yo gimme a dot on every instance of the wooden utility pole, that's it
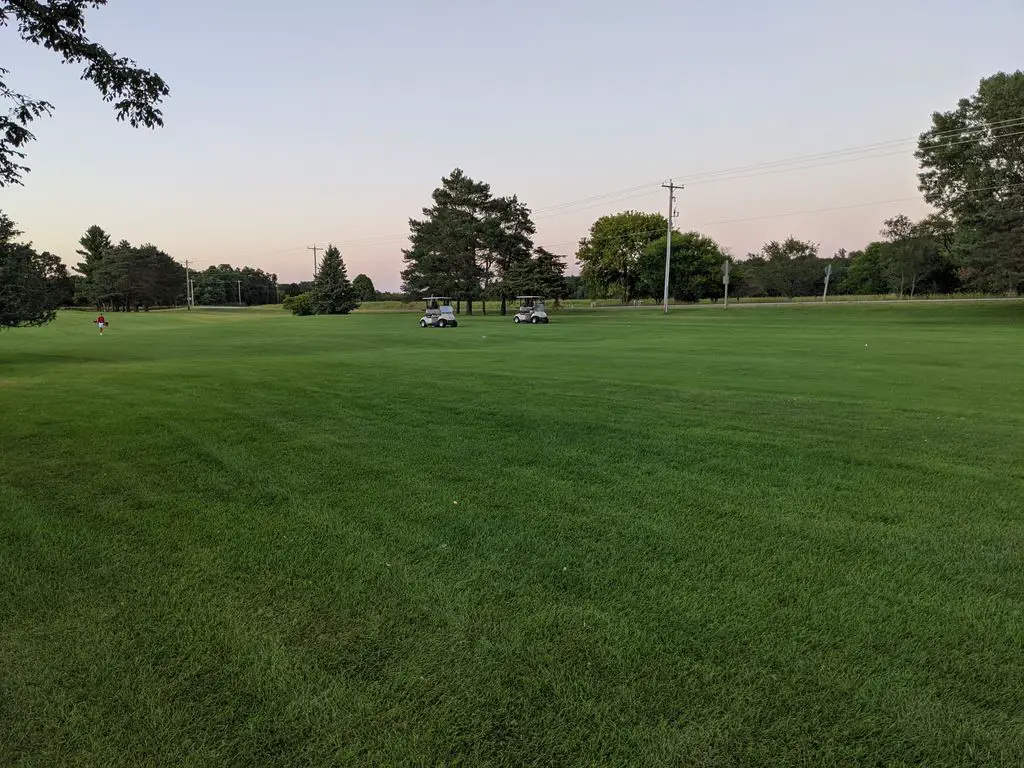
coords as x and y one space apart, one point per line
314 249
671 187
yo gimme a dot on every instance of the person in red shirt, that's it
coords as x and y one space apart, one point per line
101 322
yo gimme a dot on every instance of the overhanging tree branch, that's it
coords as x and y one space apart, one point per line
59 26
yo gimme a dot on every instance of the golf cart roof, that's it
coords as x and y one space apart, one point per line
529 297
437 298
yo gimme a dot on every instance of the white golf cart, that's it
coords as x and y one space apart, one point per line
531 310
439 313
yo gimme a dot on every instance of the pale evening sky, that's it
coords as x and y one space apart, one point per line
316 121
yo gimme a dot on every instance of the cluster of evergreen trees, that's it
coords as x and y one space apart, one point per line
472 246
124 277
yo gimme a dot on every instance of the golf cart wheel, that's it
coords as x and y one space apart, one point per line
442 323
516 319
534 320
455 323
423 323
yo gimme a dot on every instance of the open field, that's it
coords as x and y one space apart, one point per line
790 536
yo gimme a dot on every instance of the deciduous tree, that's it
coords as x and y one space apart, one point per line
363 287
27 296
972 171
59 26
794 268
694 268
610 253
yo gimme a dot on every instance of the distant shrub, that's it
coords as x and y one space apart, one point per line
298 305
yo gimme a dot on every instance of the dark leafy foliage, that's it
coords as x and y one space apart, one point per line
130 278
972 171
59 26
694 272
541 274
224 284
298 304
610 253
32 285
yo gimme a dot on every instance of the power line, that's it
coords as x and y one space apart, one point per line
648 192
805 212
602 196
860 149
737 173
846 207
1016 122
772 171
756 170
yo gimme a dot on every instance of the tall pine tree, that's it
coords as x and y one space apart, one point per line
543 274
509 236
332 293
447 246
95 243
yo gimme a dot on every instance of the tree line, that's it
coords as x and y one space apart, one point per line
473 246
361 284
623 257
123 277
114 277
227 285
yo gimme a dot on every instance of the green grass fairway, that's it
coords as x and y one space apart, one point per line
777 536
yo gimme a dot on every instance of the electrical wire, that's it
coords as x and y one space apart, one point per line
692 179
756 170
738 173
807 212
